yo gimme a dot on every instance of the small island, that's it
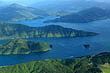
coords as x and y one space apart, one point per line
19 46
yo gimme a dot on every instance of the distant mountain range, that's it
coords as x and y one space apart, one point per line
62 7
16 12
84 16
10 31
69 5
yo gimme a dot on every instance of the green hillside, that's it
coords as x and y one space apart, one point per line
10 31
105 68
84 16
18 46
16 12
79 65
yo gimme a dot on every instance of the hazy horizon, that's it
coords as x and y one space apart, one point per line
37 1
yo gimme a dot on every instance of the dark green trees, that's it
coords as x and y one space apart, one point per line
18 46
78 65
9 31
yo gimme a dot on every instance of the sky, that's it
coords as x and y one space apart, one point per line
103 0
45 0
33 1
20 1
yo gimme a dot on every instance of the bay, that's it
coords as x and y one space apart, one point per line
64 48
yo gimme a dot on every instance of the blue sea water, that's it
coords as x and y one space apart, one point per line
64 48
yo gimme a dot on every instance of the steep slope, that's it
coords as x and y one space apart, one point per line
16 12
78 65
18 46
9 31
84 16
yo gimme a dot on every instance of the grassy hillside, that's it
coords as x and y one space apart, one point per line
105 68
78 65
9 31
18 46
84 16
16 12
